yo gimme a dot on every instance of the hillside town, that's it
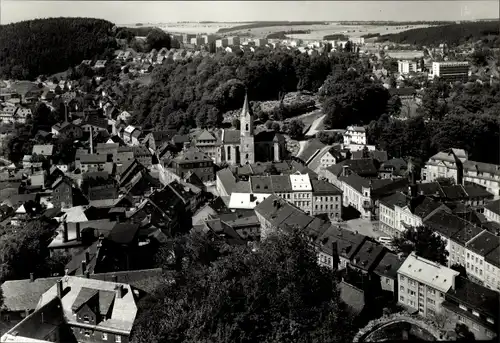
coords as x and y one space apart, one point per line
98 208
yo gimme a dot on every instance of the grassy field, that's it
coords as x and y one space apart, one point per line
317 31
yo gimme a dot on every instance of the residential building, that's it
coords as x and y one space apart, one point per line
475 306
221 43
368 256
451 71
63 190
278 215
492 211
80 309
492 269
233 40
476 251
423 284
91 162
366 168
207 143
456 232
302 192
445 165
336 247
67 129
387 270
193 160
131 135
355 135
406 67
156 139
326 199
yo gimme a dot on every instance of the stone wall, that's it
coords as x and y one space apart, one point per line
385 320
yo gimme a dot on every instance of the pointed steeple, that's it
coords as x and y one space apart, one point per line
247 109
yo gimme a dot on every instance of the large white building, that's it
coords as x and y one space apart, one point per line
423 284
355 135
406 67
444 165
450 71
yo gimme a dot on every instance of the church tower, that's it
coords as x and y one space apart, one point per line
247 146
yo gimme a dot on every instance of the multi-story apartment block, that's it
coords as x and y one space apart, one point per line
406 67
221 43
476 251
423 284
451 71
233 40
492 211
475 306
456 165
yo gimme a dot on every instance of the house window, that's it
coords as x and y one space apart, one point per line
6 318
87 333
104 336
402 298
118 339
462 307
402 288
86 318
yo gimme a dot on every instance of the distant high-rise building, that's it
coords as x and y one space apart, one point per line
451 71
406 67
234 40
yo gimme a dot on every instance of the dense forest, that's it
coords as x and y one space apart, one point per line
283 34
454 34
336 36
197 92
48 46
221 293
260 24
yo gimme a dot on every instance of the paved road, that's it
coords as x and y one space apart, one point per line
314 126
365 227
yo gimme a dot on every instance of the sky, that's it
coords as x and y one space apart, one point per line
131 12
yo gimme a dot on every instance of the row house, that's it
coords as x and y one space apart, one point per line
312 196
492 211
363 194
130 135
14 114
190 159
455 164
475 306
277 215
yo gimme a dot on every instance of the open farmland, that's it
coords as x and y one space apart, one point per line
317 32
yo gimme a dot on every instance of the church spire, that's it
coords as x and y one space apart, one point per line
247 109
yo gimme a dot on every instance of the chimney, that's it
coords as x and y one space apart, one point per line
91 142
87 257
119 291
78 232
345 170
87 274
65 231
84 267
60 289
32 277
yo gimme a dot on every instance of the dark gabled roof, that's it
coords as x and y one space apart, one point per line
423 206
83 297
347 242
378 155
322 187
21 295
494 206
123 233
395 199
405 91
493 257
261 184
388 265
484 243
312 148
475 296
268 136
368 255
146 280
192 155
362 167
352 297
451 226
231 137
93 158
281 183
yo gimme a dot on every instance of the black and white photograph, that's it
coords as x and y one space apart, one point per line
249 171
